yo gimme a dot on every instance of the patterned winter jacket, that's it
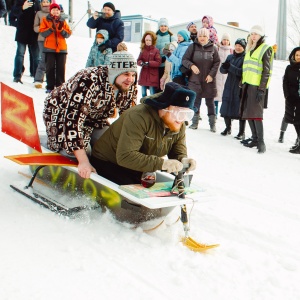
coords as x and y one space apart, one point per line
83 103
138 140
55 38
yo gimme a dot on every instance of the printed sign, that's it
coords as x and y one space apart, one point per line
18 117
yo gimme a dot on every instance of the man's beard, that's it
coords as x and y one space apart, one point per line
175 127
120 88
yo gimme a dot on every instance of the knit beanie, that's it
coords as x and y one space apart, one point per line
225 36
110 5
185 34
189 25
241 42
203 32
121 62
173 94
54 5
163 21
257 29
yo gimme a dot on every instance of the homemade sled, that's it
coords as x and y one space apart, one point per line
55 183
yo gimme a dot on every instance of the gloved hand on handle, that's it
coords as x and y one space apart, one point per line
191 162
172 165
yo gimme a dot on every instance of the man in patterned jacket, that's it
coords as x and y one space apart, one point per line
76 113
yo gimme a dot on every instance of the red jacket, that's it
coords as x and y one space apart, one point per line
149 74
55 35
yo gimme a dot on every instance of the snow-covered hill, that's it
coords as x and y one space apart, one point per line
252 211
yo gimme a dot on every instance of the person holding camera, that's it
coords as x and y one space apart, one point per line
149 59
110 20
25 36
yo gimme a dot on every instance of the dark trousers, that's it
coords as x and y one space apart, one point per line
55 69
19 59
116 173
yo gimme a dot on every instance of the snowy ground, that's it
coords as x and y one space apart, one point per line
253 212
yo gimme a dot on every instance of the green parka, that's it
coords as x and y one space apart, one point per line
138 140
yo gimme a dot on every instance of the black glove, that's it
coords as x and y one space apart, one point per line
226 65
167 52
60 25
260 95
101 47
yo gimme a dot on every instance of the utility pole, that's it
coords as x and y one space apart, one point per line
71 11
281 35
89 11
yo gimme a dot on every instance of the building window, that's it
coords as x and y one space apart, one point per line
137 27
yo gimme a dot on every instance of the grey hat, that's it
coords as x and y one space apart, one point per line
121 62
175 95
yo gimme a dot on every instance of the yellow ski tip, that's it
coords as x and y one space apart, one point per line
195 246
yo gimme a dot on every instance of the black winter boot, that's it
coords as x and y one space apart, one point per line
227 130
281 136
253 143
296 144
212 123
283 128
241 134
260 137
195 121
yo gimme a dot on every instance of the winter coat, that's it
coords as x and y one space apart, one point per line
96 57
83 103
167 73
149 74
207 59
115 27
25 33
231 95
162 40
138 140
250 107
38 20
3 9
176 58
224 51
291 90
55 39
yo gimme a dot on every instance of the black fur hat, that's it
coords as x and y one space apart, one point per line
175 95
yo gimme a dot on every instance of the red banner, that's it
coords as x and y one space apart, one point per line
18 117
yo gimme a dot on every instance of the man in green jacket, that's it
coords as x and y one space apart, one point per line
138 141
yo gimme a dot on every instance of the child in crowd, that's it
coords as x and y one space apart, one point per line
55 30
150 60
168 66
208 23
96 57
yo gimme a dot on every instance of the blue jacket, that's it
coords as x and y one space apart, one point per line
113 25
96 57
162 40
176 58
